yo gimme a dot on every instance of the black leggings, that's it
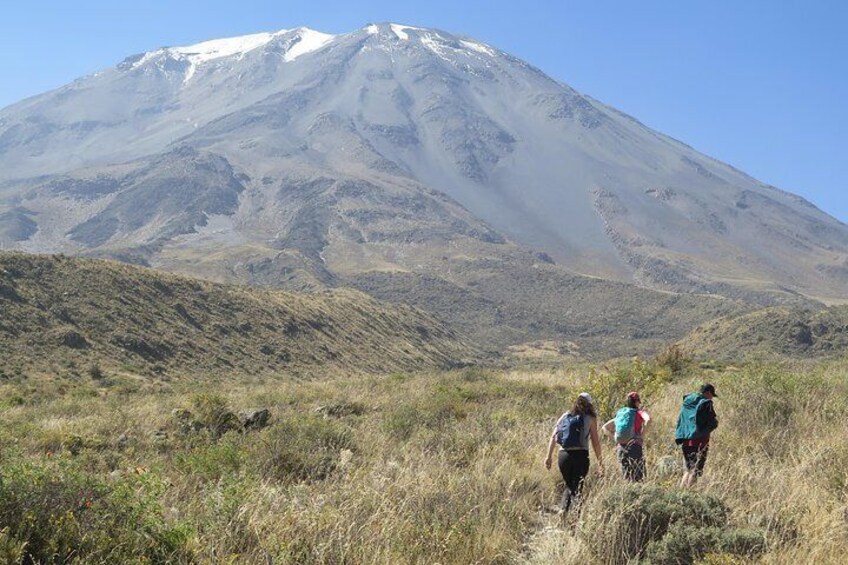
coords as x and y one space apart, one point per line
574 466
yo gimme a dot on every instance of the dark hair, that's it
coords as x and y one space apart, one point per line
631 401
583 407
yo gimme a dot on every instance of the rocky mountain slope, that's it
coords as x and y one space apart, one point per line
773 332
59 314
414 164
544 165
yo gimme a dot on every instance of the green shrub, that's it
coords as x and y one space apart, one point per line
743 541
631 517
686 544
609 387
683 544
672 358
11 549
213 413
62 515
215 459
665 527
95 372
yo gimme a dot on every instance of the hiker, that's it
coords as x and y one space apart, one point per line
573 432
696 422
627 428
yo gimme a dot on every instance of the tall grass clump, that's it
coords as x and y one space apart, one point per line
302 448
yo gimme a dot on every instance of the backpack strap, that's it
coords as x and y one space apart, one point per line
705 418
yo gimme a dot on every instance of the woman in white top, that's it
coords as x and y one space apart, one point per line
573 432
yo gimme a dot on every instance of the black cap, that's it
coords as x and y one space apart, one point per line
708 388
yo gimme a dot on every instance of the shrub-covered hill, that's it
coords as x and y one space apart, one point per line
777 331
61 314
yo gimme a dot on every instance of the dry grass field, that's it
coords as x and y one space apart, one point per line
415 468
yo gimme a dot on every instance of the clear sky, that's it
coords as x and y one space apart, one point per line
760 84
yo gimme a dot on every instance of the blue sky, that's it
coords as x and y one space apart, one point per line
762 85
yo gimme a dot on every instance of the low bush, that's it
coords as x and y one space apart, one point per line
742 541
685 544
96 372
665 526
673 358
59 514
213 413
215 459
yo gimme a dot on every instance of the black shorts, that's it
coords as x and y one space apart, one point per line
632 461
695 457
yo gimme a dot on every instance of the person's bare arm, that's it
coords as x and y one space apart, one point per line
551 445
609 428
646 420
596 445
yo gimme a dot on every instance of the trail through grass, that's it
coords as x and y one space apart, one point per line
410 468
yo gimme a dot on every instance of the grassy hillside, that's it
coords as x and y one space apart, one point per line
499 303
434 467
73 316
773 332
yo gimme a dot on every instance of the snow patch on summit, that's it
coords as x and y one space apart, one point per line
400 31
479 47
448 49
218 48
310 40
435 47
304 40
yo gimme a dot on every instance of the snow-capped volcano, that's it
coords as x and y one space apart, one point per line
392 148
